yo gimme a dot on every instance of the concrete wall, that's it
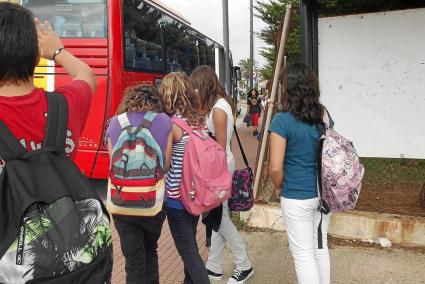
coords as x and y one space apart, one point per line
403 230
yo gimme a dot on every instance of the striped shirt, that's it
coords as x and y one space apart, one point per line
174 175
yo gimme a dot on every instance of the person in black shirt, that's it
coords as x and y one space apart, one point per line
254 104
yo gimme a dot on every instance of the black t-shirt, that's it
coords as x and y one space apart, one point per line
254 104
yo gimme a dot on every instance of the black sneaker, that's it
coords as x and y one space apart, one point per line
214 276
241 276
255 133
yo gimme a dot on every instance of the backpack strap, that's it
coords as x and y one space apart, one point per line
10 148
241 147
57 122
147 121
182 124
326 118
124 121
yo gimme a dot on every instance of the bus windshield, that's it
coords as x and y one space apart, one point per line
71 18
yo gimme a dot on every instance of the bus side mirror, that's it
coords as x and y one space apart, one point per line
237 71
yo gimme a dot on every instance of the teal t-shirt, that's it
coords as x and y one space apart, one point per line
300 177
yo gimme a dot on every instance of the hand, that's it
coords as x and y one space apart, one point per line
48 41
277 192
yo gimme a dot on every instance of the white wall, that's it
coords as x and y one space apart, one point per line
372 76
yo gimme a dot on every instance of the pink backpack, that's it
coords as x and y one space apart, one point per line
340 171
206 181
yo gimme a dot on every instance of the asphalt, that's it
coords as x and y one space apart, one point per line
271 259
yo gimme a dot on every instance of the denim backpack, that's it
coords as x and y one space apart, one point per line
54 227
136 184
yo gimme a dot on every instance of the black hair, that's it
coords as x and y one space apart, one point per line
256 92
18 43
301 94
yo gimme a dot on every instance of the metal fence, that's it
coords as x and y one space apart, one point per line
399 181
380 174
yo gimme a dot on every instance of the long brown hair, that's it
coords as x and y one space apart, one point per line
205 81
302 94
178 97
139 98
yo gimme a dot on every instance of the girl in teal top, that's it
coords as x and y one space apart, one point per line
294 136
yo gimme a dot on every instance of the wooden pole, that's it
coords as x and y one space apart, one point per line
283 38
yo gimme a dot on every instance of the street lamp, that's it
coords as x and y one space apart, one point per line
251 40
226 45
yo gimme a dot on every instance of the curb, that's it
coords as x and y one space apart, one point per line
399 229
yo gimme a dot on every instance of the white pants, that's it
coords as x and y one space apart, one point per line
302 218
227 233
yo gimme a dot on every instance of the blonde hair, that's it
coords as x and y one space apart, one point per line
178 97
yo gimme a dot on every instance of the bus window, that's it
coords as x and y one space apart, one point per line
210 51
72 18
182 47
143 37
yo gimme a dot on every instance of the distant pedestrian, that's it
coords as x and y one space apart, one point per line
254 108
218 107
180 101
141 107
294 137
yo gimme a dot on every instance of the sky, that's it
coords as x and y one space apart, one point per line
206 17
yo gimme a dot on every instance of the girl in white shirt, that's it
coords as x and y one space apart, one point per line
217 106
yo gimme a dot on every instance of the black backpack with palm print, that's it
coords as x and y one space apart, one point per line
53 227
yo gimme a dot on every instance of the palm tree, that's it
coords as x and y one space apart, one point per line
245 65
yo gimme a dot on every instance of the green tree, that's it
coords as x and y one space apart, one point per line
272 13
245 65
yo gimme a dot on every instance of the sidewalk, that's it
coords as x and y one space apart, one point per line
170 264
271 259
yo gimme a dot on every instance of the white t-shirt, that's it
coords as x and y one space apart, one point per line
224 105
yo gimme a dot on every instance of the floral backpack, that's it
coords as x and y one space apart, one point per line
242 198
340 172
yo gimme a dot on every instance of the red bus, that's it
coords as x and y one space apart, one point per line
125 42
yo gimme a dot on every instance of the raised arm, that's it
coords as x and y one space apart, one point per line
49 43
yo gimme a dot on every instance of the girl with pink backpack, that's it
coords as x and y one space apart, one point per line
295 134
181 104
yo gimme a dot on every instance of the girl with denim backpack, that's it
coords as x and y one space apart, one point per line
141 107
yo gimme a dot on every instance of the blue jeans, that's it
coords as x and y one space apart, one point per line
139 243
183 229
